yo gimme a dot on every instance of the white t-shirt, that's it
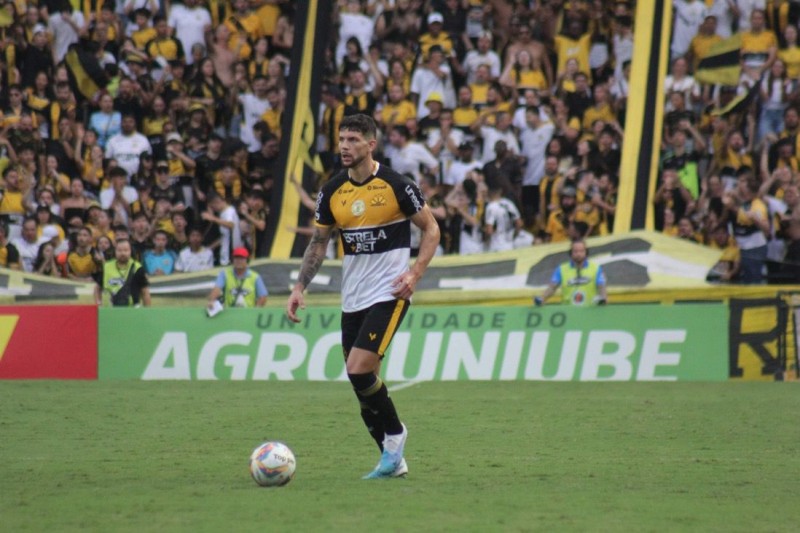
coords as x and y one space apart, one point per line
189 26
27 252
126 149
424 82
445 156
534 144
474 59
252 109
189 261
353 25
501 214
63 33
230 238
490 136
408 159
129 194
688 17
458 171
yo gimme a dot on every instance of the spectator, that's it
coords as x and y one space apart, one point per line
433 76
748 215
9 255
502 221
408 157
159 260
83 261
224 216
195 257
45 263
689 15
238 286
482 55
27 244
127 145
534 139
461 167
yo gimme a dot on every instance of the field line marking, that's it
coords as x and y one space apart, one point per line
404 385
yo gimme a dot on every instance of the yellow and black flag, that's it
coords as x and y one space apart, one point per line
644 118
299 126
86 75
721 66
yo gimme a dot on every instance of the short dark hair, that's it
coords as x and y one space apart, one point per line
118 172
361 123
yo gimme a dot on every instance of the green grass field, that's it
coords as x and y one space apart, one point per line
512 456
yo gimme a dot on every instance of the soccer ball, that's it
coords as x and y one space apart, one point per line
272 464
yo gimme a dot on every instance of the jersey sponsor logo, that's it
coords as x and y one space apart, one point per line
345 191
358 208
319 203
413 197
363 241
376 187
378 201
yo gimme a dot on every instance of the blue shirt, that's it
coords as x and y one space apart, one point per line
261 289
165 261
105 125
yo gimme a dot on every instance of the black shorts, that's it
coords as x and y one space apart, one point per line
373 328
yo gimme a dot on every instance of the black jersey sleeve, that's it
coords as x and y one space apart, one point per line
323 215
409 197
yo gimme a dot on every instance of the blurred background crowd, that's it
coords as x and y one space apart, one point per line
160 121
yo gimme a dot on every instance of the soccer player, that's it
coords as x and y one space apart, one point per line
373 207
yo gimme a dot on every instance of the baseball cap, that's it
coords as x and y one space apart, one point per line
176 137
241 252
435 96
569 191
435 17
162 164
48 234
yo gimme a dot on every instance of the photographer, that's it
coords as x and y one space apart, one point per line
123 279
582 281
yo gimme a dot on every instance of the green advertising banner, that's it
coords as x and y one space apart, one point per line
554 343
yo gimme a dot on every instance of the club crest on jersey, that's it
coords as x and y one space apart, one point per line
378 201
358 208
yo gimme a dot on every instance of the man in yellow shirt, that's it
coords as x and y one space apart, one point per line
398 110
702 42
601 110
574 44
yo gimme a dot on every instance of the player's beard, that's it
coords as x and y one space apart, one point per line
354 161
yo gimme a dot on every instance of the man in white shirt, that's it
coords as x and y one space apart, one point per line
461 167
689 14
501 131
195 257
534 139
501 220
433 76
119 195
408 156
127 145
254 105
225 216
482 55
65 25
27 244
191 21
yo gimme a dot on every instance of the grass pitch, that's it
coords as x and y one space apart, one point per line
511 456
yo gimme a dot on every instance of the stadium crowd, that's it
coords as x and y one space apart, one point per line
508 113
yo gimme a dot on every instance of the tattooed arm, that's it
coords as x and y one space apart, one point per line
312 260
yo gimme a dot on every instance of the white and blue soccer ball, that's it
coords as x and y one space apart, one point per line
272 464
